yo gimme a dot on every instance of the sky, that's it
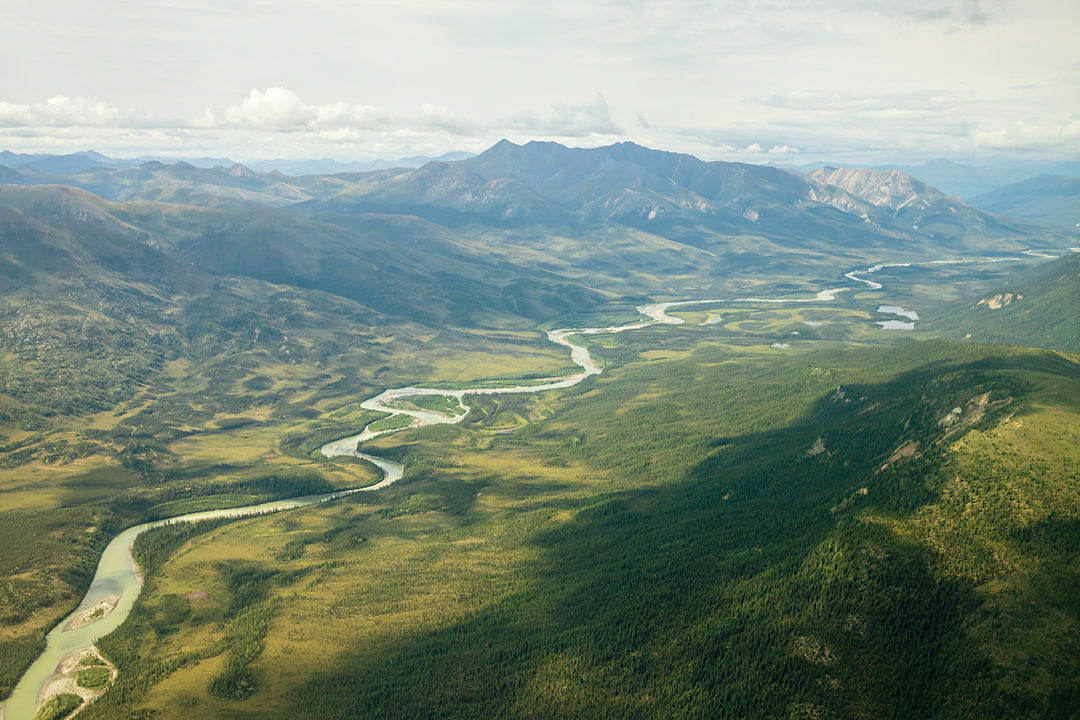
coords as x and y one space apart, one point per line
785 81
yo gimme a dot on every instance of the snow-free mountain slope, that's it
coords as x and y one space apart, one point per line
1047 198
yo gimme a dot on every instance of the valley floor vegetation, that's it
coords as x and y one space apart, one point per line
712 528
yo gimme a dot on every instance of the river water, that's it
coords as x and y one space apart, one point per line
117 575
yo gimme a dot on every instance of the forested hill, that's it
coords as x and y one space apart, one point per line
1040 308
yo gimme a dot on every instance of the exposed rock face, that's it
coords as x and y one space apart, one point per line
996 302
890 189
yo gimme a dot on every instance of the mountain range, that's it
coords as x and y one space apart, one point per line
80 162
516 235
638 208
1047 198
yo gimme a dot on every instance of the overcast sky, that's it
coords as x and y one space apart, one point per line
788 81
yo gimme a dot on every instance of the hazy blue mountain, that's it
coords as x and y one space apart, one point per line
154 180
402 266
1049 198
199 162
964 180
68 164
187 183
960 179
326 166
14 159
57 164
953 178
11 177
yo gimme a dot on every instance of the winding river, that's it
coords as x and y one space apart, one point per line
118 577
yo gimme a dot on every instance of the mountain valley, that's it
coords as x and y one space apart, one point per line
765 505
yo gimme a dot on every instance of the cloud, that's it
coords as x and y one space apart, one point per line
61 111
954 14
280 109
569 121
1029 136
275 108
850 103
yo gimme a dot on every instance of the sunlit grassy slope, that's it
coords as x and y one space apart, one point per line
828 531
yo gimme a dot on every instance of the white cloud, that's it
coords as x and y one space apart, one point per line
272 119
281 109
569 120
275 108
60 111
1030 136
953 14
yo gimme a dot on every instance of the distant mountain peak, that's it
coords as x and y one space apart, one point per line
239 170
893 189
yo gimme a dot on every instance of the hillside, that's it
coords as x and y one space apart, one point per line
1037 309
1047 198
906 201
397 265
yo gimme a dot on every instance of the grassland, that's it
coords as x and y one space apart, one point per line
447 405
